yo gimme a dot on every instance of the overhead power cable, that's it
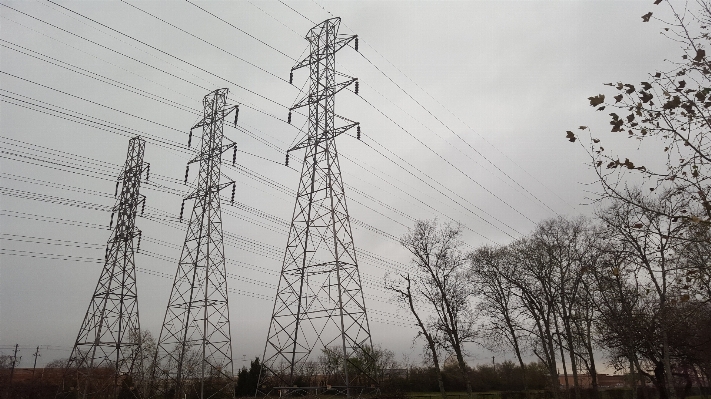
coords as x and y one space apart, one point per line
130 71
205 41
246 33
98 77
125 35
170 55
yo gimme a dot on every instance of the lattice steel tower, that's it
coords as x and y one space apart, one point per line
108 346
194 356
319 308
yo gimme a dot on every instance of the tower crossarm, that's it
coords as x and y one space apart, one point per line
324 136
218 116
203 157
322 95
318 57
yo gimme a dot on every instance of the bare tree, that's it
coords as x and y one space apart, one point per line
651 242
442 281
403 291
499 301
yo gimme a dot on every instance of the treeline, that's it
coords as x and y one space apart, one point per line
506 376
631 283
629 287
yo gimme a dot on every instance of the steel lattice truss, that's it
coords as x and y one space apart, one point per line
195 344
319 308
108 345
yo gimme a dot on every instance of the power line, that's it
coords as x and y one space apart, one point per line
99 77
129 57
205 41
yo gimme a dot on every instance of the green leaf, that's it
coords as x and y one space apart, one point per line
645 17
618 98
570 136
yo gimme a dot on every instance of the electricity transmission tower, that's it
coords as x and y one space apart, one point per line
108 346
319 310
194 343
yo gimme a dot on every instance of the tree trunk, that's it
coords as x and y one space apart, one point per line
517 349
667 365
463 368
552 363
588 346
430 340
571 354
562 358
435 360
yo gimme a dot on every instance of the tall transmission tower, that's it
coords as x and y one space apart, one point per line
109 340
194 355
319 308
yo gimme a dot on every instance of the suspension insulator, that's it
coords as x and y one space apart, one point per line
358 132
187 169
234 155
291 77
106 255
182 208
116 190
356 88
232 200
148 171
236 115
287 159
356 43
111 224
143 207
289 118
138 247
190 137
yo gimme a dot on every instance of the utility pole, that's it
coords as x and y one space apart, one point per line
14 362
34 366
195 341
319 305
109 339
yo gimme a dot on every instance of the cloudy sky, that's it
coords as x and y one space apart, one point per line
463 107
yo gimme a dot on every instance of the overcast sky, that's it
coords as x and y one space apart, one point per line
463 108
